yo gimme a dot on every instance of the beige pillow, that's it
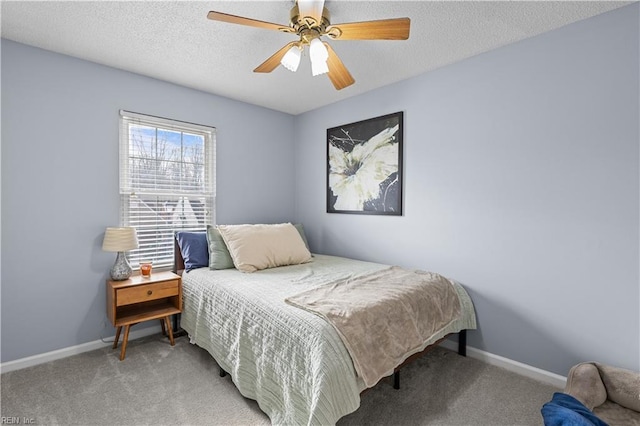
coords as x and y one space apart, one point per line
256 247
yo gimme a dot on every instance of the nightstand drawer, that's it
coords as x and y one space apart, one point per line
143 293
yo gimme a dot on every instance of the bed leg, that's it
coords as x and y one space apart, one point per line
177 331
222 372
176 322
462 343
396 379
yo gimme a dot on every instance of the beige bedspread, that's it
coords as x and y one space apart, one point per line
385 316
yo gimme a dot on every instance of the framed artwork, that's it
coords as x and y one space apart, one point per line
364 166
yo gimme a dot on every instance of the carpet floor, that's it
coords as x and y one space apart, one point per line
158 384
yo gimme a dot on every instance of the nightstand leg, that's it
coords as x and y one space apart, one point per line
166 319
115 342
162 324
124 342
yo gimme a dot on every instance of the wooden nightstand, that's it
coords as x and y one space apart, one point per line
141 299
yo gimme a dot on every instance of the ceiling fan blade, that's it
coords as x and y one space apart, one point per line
338 73
384 29
233 19
311 8
273 62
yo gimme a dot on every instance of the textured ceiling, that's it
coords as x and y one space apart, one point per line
174 41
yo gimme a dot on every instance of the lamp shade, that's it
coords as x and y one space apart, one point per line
318 54
318 51
120 239
291 59
319 67
311 8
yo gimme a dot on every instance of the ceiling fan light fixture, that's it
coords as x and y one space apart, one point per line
318 51
311 9
319 67
291 59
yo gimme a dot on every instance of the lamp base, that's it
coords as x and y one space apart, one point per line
121 270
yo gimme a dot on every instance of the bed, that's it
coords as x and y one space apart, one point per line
292 361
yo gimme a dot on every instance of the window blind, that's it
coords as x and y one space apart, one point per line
167 182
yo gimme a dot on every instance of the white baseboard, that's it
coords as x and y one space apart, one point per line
511 365
506 363
30 361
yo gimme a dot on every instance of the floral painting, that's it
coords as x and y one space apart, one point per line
364 166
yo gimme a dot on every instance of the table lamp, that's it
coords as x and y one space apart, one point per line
120 240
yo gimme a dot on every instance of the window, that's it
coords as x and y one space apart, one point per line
167 182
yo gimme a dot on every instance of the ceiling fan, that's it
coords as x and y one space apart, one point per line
310 20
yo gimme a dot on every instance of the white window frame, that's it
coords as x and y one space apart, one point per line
156 239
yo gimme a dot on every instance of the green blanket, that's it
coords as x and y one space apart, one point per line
292 362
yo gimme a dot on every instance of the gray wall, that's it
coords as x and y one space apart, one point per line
60 184
521 182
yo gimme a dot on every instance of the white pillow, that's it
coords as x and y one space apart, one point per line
256 247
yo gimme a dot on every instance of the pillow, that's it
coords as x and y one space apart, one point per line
219 257
194 249
621 385
256 247
301 232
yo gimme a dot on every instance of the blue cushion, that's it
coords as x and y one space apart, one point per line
194 249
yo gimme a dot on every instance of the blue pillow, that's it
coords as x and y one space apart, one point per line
194 249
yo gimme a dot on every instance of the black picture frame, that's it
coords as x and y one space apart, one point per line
364 166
